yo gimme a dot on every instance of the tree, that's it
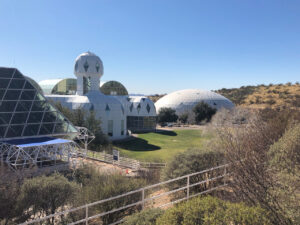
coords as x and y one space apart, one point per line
94 125
167 115
203 112
45 195
183 118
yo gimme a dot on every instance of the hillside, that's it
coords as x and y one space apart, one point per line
154 98
262 96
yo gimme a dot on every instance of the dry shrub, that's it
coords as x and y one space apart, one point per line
246 149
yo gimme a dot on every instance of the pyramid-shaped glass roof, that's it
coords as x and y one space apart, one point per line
25 112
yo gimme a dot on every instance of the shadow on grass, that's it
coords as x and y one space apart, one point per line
137 144
166 132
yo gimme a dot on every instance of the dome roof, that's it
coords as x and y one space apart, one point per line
89 65
185 100
113 88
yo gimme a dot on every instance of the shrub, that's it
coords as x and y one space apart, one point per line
213 211
246 149
285 163
97 186
203 112
237 115
166 115
190 161
145 217
45 195
183 118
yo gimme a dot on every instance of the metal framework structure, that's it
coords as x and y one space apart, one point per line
51 154
84 136
185 187
29 123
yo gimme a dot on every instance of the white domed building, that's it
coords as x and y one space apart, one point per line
109 100
184 101
88 70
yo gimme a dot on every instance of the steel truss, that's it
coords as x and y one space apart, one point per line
37 156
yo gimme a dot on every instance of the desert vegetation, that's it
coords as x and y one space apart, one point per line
262 96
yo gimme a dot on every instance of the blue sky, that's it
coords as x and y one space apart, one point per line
156 46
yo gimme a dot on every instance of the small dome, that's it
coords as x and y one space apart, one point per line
185 100
88 65
113 88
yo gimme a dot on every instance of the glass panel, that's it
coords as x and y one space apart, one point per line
14 131
19 118
24 106
12 95
2 131
28 95
7 106
16 84
49 117
1 93
17 74
46 129
31 130
61 128
38 106
28 85
39 97
5 118
6 72
4 82
72 129
35 117
110 127
49 107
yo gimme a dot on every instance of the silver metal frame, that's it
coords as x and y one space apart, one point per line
25 157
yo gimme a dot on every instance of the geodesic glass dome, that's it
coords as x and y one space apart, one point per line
113 88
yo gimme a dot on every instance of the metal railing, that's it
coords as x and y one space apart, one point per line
173 191
108 158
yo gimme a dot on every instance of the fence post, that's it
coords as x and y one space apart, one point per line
143 198
225 172
188 187
86 214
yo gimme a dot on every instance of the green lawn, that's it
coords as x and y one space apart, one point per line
161 146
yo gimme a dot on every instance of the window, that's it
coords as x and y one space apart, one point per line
110 127
122 127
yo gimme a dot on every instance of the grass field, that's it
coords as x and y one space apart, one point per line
163 145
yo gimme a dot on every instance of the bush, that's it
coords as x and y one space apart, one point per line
190 161
203 112
45 195
145 217
213 211
285 163
246 149
166 115
235 116
97 186
183 118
